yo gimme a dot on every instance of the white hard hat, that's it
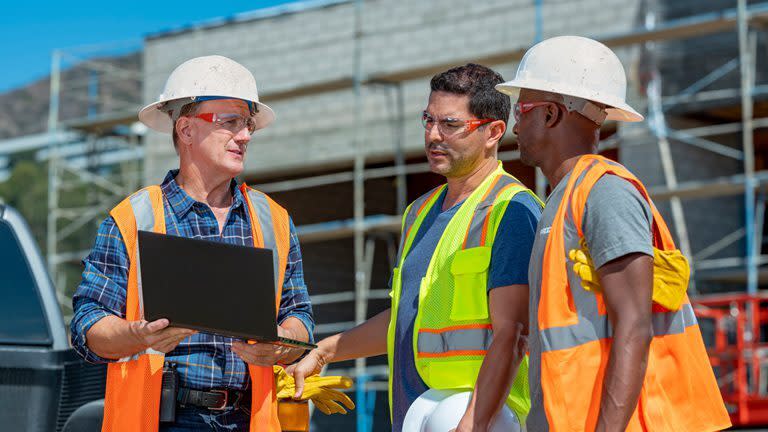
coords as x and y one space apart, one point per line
441 411
575 66
205 78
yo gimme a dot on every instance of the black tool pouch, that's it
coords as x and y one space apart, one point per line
169 392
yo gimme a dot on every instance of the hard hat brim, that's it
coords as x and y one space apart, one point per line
159 120
617 110
438 410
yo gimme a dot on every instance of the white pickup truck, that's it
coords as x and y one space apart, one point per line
44 384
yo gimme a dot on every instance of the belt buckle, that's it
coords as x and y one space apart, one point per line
224 404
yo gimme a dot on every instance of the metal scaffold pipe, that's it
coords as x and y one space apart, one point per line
361 285
658 125
358 179
402 192
746 69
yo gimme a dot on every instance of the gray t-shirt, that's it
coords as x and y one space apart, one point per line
617 221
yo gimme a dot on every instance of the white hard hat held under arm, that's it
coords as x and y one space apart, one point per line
205 78
575 66
441 410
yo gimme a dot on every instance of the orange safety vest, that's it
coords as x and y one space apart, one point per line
132 401
679 390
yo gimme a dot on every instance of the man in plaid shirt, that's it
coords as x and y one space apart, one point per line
201 200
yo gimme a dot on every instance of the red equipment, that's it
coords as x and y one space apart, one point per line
735 331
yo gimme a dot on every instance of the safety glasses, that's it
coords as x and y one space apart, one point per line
521 108
229 121
449 125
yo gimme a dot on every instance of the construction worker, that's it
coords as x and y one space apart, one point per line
211 107
460 288
611 353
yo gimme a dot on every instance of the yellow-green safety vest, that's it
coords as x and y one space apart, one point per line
452 331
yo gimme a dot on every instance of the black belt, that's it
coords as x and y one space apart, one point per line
214 400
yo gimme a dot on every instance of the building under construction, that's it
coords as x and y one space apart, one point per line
348 81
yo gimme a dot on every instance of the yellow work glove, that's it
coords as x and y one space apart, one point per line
320 389
584 268
671 273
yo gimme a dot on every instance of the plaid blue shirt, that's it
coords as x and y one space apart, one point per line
205 361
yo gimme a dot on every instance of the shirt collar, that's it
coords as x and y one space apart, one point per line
182 203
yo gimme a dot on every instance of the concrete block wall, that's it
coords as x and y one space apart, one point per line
316 131
292 50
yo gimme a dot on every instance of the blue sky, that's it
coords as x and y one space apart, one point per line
29 32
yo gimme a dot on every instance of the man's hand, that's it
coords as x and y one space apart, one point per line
323 391
263 354
310 365
465 425
366 340
157 335
114 338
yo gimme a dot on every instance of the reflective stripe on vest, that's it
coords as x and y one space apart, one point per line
476 233
450 335
478 228
145 221
412 213
471 339
132 398
272 231
594 328
679 391
456 340
264 214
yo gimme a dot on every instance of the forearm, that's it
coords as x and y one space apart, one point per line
366 340
295 329
624 374
496 375
111 338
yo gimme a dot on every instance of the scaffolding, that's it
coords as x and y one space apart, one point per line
746 19
366 230
101 162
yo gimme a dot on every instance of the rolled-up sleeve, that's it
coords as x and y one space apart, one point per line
617 221
102 289
294 301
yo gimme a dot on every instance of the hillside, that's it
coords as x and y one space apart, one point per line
24 110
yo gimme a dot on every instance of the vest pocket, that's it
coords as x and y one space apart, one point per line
446 375
470 279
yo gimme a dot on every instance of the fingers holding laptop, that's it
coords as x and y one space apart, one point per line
260 354
265 353
158 335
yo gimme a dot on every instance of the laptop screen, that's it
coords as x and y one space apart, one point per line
208 286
